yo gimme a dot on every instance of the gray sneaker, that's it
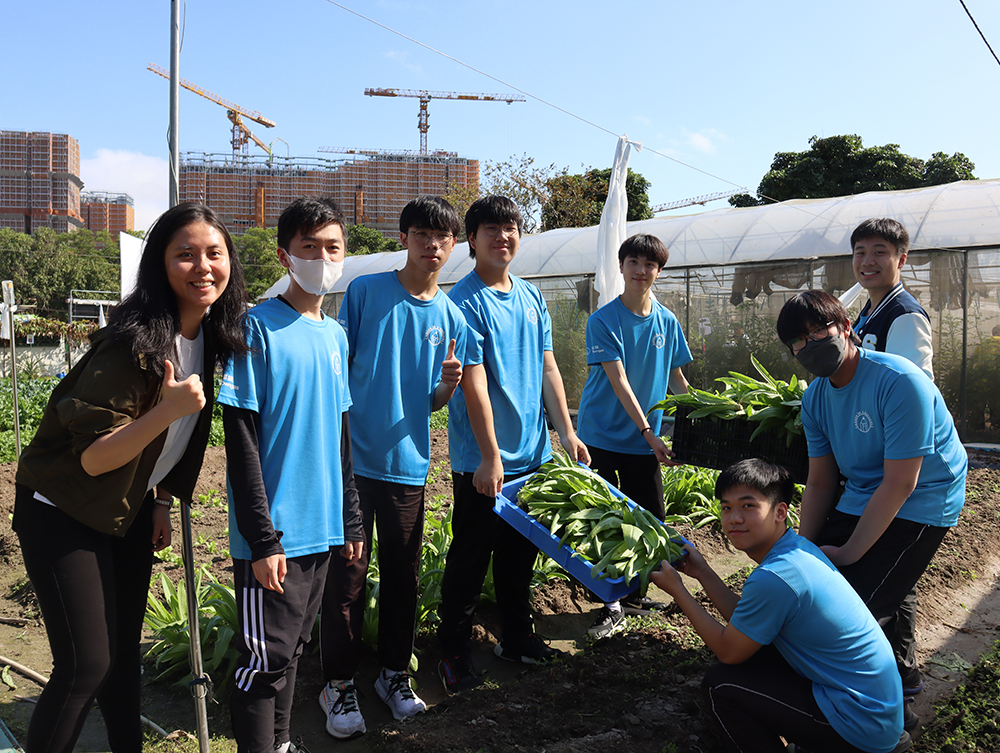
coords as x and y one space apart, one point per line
398 695
607 624
343 715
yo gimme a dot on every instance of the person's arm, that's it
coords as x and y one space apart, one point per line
819 496
354 533
898 482
114 449
615 373
726 642
250 503
677 383
554 400
488 478
451 375
909 336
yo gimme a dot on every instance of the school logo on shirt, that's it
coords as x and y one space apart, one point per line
659 340
336 364
533 315
863 422
594 350
434 335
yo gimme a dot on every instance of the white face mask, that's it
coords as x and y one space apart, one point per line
316 276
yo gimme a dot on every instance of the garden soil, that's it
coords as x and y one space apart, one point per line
637 691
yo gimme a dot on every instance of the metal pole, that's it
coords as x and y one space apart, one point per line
201 684
175 55
8 298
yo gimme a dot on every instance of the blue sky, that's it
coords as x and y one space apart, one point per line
717 88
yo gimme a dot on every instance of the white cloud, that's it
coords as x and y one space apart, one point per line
403 59
705 141
142 177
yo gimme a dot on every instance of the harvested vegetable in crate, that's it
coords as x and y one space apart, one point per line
772 403
619 539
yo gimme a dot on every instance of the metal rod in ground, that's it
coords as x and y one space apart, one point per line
201 684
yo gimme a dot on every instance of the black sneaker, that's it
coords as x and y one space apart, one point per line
635 604
607 624
457 674
910 719
528 650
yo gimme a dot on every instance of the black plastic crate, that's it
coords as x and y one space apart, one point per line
711 442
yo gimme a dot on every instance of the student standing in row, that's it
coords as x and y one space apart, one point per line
635 350
291 488
403 334
496 428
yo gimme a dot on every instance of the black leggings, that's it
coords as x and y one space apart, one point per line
92 589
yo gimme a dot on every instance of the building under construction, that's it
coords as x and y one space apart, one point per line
371 187
39 181
107 211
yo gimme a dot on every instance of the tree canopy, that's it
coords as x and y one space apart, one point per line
842 166
549 197
366 240
258 250
46 266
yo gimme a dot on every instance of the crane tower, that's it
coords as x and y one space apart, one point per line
426 96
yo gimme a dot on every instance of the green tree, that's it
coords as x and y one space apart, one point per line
577 200
366 240
842 166
258 250
517 178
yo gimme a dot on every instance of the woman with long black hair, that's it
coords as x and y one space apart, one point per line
123 434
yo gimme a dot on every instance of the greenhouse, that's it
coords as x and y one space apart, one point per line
731 270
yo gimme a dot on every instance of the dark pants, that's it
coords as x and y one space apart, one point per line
398 512
273 630
886 577
478 532
762 699
638 477
91 588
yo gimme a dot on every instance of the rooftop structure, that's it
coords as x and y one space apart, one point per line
39 181
107 211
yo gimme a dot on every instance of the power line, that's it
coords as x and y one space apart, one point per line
985 41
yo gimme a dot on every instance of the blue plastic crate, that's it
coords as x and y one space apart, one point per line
607 589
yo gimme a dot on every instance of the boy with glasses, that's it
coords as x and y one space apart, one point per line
403 335
497 429
877 419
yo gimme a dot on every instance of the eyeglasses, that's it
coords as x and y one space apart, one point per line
493 231
423 236
816 335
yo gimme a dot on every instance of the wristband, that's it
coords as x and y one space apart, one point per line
643 432
164 502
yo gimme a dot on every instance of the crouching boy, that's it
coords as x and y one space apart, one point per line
802 657
291 488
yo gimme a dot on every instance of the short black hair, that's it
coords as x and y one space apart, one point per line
813 308
307 214
430 213
885 228
770 479
644 246
491 209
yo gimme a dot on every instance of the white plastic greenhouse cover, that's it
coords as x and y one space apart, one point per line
958 215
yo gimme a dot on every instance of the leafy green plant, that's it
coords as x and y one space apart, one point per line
218 625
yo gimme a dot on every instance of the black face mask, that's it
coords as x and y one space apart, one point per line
823 357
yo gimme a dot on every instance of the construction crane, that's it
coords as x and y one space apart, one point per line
241 133
696 200
426 96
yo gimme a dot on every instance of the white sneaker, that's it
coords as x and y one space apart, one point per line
395 690
343 716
